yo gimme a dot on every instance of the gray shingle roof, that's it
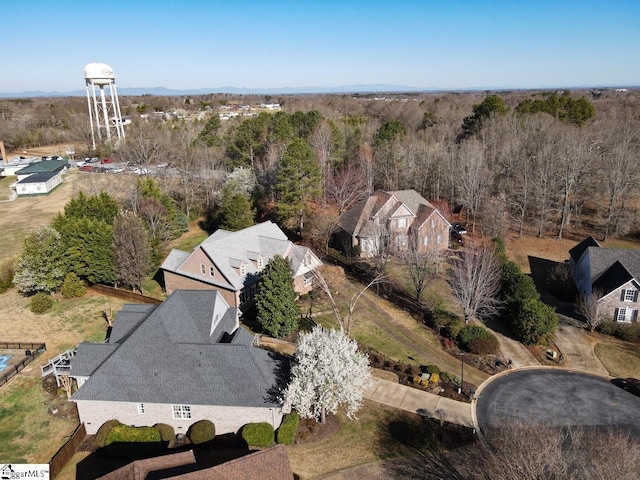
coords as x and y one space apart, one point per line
172 358
576 252
601 259
231 250
357 220
43 166
89 356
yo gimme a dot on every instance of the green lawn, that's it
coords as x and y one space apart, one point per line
4 186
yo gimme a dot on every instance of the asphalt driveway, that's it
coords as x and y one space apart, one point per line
558 398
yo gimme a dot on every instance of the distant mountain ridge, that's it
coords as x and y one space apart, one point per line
162 91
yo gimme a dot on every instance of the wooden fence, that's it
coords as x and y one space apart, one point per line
13 370
127 295
64 454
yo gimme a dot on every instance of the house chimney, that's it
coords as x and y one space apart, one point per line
5 160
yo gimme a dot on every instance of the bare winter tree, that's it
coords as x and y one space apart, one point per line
475 281
131 252
473 177
367 165
345 322
346 187
420 262
321 226
587 305
67 385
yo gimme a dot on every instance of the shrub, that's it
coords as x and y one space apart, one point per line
287 430
470 332
483 346
103 431
73 286
258 435
434 378
446 377
167 433
201 432
125 434
626 332
432 369
133 442
6 276
41 302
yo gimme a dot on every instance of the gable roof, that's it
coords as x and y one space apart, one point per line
576 252
612 278
357 220
602 259
174 356
231 250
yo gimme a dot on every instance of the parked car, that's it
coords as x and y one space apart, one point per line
631 385
93 160
458 228
457 237
106 160
86 168
116 170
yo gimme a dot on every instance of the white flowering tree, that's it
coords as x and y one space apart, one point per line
328 371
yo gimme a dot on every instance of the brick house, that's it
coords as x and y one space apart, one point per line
230 263
184 360
391 220
613 273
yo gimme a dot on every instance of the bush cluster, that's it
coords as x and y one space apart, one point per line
477 339
201 432
125 434
484 346
287 430
41 302
103 431
532 321
72 286
626 332
259 435
125 441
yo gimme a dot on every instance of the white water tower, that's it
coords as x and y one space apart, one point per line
104 108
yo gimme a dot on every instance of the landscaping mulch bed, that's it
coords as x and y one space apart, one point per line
310 430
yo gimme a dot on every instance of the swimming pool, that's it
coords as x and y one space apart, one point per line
4 361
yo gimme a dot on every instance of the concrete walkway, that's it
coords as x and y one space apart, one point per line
417 401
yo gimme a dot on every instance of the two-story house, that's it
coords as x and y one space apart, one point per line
390 220
612 273
230 262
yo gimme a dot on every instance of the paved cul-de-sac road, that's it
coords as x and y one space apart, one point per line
557 398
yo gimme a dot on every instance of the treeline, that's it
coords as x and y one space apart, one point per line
532 162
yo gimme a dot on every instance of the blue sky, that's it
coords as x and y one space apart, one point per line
450 44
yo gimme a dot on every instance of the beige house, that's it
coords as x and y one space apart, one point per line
612 273
230 262
184 360
390 220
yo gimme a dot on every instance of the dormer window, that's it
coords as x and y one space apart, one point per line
242 269
212 271
402 222
260 262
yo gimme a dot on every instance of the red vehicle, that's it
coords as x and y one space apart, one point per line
106 160
86 168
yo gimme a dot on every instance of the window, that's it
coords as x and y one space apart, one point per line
260 262
402 222
202 269
621 316
212 271
242 270
141 408
181 411
630 295
433 223
439 240
401 240
308 279
247 294
425 241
